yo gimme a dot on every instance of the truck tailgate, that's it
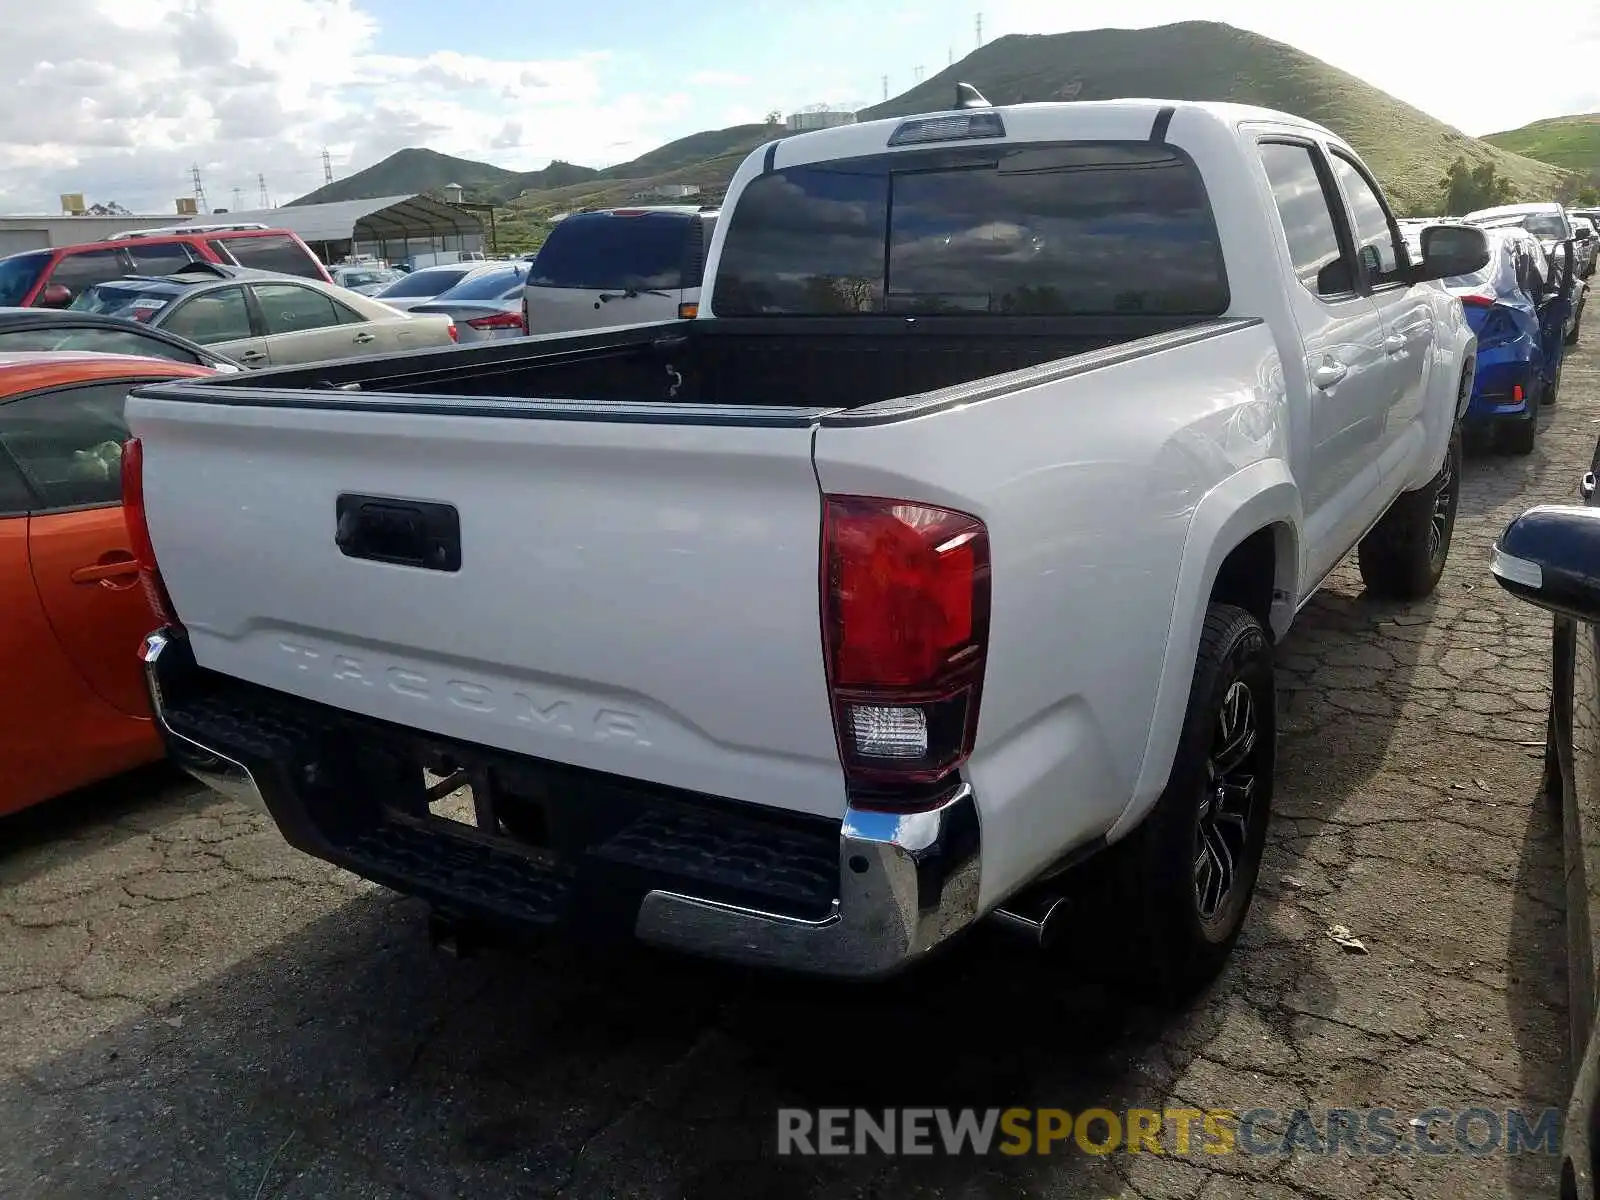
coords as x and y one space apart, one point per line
632 597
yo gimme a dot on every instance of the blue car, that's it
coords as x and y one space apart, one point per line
1517 305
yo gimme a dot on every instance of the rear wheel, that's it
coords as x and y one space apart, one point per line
1189 871
1572 336
1403 556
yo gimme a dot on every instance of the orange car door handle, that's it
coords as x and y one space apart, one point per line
116 569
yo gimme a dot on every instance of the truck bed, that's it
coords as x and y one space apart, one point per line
787 362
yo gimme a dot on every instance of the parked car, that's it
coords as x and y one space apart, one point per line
259 319
54 278
618 266
1547 556
1546 220
74 708
1074 418
485 306
425 284
1518 361
39 329
364 280
1580 297
1586 242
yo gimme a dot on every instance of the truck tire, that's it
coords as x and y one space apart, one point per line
1405 552
1189 870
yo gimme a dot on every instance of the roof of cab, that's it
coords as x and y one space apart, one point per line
25 371
1137 116
1514 210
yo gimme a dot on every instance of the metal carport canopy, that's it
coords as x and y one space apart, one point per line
388 218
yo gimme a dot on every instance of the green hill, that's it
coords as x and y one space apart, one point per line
1570 142
1193 60
1207 60
417 170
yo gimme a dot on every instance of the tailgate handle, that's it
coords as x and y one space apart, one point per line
406 533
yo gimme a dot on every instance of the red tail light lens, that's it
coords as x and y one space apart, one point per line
905 599
505 320
455 335
144 552
1477 299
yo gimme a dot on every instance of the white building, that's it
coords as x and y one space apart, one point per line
820 118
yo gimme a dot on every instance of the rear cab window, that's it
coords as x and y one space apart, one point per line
125 298
78 270
270 252
161 258
614 251
1023 229
432 283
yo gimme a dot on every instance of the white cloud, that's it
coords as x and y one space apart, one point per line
712 79
117 100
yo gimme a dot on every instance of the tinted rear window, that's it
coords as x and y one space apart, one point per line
272 253
606 252
1084 228
424 283
489 285
18 274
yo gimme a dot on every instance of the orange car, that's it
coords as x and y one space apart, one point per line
72 613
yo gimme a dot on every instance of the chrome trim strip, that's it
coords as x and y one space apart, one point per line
907 882
217 771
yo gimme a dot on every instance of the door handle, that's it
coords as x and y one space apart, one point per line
251 356
362 338
1328 372
120 567
1394 343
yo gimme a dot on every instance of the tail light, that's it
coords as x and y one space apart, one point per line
144 551
1516 393
688 311
1477 299
505 320
455 334
905 612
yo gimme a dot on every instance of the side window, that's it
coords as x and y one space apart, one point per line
273 252
68 443
1308 223
86 268
219 315
102 341
159 258
290 309
15 498
1377 239
347 315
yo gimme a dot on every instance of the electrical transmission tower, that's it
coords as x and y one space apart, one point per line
978 25
238 198
327 166
266 201
885 87
916 74
199 190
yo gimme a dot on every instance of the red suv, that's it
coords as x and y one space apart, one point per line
52 278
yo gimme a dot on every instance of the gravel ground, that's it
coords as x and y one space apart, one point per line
190 1009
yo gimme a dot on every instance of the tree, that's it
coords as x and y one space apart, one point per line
1467 188
774 117
1588 196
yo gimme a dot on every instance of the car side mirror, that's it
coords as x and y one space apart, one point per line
1450 250
1550 557
55 295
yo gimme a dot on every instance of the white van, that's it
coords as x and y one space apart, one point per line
618 266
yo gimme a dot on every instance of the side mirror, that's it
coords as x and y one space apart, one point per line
55 295
1451 250
1550 557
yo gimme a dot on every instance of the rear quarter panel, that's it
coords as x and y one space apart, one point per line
1091 487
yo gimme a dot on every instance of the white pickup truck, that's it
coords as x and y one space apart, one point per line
945 549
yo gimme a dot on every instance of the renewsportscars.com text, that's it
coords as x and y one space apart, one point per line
1370 1132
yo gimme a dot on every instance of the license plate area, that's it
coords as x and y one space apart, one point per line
478 800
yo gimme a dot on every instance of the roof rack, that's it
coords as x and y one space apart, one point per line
169 230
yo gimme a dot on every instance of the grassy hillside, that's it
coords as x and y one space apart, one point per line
1194 60
417 170
1206 60
1570 142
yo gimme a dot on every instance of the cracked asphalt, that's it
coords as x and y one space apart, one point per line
190 1009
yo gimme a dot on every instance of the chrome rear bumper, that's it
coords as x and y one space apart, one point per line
906 881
